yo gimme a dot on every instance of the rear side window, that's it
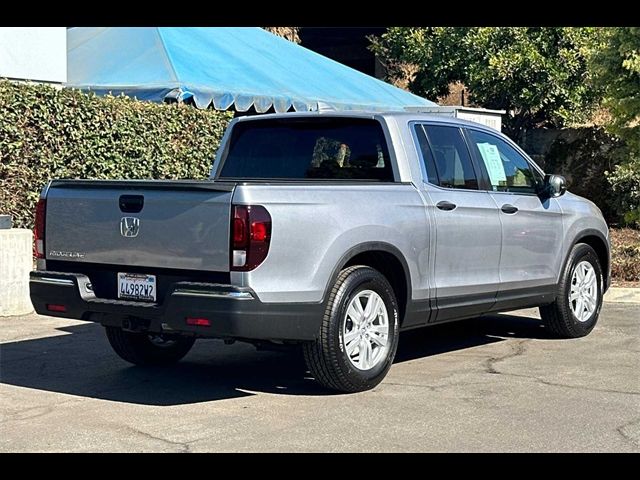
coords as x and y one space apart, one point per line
451 157
308 148
427 156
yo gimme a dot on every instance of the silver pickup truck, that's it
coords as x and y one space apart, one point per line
330 231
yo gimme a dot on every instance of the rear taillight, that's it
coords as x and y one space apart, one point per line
38 232
250 236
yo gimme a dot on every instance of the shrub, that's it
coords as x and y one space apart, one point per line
625 184
46 133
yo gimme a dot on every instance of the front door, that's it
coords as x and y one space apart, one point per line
466 249
531 226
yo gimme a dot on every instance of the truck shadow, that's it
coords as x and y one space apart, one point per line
80 362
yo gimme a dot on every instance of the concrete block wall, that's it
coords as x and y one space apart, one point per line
16 261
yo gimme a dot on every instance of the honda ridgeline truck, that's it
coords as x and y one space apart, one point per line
330 231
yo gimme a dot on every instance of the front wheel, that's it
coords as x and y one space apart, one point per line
575 311
148 349
359 334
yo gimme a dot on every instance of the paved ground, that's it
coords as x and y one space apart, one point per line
495 384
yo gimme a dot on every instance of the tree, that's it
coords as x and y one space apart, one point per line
290 33
616 69
422 60
539 75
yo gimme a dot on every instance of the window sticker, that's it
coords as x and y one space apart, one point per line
493 162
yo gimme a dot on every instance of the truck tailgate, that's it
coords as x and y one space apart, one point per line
164 224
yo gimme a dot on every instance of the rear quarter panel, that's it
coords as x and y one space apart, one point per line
314 225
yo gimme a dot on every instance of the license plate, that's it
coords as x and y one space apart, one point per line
137 286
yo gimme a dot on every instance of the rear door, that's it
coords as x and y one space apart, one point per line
531 226
468 233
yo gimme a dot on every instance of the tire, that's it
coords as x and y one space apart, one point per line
144 349
560 316
327 357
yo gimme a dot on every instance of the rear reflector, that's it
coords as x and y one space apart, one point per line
198 322
52 307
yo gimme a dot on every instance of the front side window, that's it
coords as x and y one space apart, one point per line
329 148
451 157
507 169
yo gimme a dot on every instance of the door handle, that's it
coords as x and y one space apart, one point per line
447 206
510 209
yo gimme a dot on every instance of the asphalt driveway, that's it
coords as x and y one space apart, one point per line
493 384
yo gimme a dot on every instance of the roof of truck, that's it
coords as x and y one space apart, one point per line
399 116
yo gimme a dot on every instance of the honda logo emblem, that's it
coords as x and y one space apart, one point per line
129 227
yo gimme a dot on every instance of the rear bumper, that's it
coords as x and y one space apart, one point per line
234 312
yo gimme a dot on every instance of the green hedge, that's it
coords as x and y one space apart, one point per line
46 133
625 184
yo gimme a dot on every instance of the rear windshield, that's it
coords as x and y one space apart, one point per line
309 148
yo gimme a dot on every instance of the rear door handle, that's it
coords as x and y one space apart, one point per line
510 209
444 205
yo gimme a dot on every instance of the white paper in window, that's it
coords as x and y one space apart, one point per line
493 162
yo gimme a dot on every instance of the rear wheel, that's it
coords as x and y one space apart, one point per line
575 311
148 349
359 333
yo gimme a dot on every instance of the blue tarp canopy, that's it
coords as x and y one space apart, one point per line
226 66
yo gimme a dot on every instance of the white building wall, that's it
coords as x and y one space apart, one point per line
34 53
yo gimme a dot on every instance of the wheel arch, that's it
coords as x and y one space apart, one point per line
385 258
596 240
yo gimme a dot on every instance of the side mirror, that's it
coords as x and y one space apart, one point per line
554 185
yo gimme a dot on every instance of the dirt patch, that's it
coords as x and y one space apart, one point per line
625 257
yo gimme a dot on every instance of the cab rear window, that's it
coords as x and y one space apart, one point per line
309 148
